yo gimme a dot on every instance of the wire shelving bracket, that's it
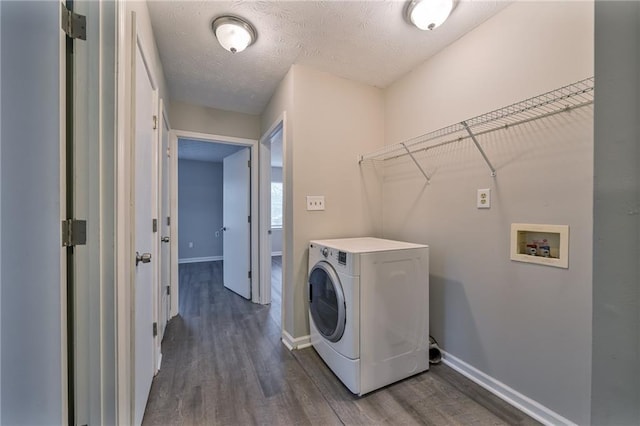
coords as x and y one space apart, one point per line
563 99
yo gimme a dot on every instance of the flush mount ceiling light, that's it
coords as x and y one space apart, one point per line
428 14
233 33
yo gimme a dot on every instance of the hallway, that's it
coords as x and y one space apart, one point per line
223 363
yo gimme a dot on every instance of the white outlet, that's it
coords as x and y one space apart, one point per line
315 202
484 198
190 244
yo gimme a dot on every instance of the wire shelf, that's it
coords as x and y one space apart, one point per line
567 98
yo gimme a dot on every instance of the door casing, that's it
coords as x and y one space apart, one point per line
255 248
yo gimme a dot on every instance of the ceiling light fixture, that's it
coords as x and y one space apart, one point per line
428 14
233 33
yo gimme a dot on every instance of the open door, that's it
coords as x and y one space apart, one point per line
164 310
236 217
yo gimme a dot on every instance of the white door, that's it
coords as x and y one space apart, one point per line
165 230
235 216
143 146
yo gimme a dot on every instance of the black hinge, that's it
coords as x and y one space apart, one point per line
74 232
73 24
155 122
249 274
168 290
154 225
168 221
249 219
249 163
155 329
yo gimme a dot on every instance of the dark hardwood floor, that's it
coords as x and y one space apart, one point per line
223 364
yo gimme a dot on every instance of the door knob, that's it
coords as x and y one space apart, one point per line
144 258
165 239
224 228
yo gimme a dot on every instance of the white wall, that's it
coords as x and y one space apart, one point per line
527 326
214 121
32 346
616 276
333 121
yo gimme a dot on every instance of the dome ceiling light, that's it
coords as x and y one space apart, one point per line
428 14
233 33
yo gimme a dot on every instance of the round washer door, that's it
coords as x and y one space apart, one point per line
326 301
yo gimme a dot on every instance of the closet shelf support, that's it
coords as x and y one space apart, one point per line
426 176
475 141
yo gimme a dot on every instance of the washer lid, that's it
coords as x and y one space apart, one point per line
366 244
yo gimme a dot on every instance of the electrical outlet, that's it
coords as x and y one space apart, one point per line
484 198
315 202
190 244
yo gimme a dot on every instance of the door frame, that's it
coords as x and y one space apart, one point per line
253 144
265 212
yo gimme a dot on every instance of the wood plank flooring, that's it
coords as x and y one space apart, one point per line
223 364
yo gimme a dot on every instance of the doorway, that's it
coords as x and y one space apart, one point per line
273 219
210 226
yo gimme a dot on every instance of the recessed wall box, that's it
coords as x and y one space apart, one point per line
543 244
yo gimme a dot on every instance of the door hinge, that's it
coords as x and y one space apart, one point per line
154 225
168 290
249 275
155 329
73 24
249 219
74 232
168 221
155 122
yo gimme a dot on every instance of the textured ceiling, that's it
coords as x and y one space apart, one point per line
367 41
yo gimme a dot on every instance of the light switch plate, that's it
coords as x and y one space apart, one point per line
484 198
315 202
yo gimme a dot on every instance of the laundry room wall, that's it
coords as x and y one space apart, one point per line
199 210
333 121
526 326
213 121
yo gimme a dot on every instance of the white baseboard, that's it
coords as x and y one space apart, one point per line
504 392
295 343
200 259
276 253
159 361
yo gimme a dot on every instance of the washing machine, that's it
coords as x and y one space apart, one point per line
369 309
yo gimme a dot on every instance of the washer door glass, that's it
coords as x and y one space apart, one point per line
326 301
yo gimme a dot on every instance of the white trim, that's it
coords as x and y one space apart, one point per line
295 343
159 363
200 259
506 393
276 253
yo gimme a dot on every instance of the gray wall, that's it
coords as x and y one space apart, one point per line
31 359
616 276
213 121
199 209
526 326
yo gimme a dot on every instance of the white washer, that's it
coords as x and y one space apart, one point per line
369 309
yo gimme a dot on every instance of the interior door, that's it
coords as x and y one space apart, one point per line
237 227
165 230
143 286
